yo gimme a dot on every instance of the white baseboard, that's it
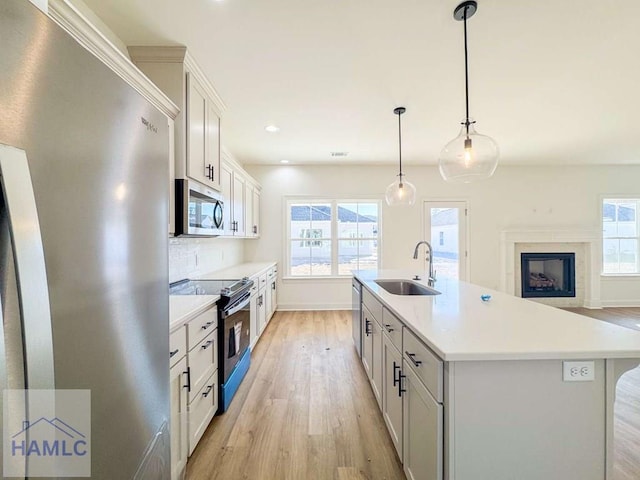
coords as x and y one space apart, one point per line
621 303
292 307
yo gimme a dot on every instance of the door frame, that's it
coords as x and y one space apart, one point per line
463 229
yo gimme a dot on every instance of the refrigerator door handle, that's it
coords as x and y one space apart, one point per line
30 272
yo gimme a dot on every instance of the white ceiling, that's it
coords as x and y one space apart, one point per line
553 82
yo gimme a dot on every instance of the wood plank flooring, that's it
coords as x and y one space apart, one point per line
627 406
305 410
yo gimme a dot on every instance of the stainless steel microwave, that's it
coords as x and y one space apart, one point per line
199 210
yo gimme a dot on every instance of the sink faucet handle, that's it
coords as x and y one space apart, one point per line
417 277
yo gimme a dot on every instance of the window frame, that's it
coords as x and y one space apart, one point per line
629 198
334 239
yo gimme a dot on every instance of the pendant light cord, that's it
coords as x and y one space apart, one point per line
466 72
400 144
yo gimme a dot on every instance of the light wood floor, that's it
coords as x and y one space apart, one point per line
627 406
304 411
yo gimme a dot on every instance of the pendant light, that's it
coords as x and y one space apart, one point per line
400 192
470 156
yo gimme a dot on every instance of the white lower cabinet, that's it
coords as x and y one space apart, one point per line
372 351
423 435
179 435
407 380
202 363
391 394
202 408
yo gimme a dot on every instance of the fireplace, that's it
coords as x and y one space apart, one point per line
548 274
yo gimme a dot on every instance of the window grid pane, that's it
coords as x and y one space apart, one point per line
620 237
312 248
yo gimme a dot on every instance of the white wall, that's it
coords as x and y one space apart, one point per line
191 257
515 198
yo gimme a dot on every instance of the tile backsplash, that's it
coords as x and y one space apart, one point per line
190 257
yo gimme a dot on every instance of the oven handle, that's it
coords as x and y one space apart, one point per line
238 305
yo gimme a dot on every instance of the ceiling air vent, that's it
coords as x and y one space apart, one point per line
339 154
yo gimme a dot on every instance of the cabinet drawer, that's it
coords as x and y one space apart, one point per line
203 360
263 281
201 326
374 306
393 328
202 409
427 366
177 345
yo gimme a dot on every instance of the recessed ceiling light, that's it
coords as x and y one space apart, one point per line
339 154
284 161
272 129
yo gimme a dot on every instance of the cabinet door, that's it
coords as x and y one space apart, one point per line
226 187
274 293
248 209
262 311
256 213
391 396
238 205
267 299
253 318
212 164
376 362
196 131
179 438
423 439
367 340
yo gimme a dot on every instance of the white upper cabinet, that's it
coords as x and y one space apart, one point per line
197 127
241 199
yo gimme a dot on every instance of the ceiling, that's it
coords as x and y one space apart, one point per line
553 82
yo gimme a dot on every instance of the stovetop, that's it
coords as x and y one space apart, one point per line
224 288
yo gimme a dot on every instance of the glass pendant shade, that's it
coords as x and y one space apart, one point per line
400 193
468 157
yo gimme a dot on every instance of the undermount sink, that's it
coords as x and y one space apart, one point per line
406 287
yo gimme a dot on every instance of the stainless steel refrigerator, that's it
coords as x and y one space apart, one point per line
83 241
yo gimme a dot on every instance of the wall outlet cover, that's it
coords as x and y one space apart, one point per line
583 371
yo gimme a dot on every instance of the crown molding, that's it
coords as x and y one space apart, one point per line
65 14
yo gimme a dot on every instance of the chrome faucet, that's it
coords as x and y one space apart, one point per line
432 276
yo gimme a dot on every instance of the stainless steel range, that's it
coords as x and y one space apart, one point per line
234 356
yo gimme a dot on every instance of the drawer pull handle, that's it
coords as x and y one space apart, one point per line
395 378
206 325
388 327
171 354
411 356
400 389
206 345
207 391
367 331
188 374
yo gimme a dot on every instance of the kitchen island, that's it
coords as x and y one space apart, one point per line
499 389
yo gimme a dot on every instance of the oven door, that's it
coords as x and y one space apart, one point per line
199 210
235 321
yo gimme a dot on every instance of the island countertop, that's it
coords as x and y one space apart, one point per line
458 326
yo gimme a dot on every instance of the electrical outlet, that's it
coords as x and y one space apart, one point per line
578 371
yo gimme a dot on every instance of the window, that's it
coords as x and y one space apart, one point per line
620 235
332 237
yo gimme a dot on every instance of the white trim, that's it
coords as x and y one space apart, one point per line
621 303
593 256
293 307
178 54
65 14
333 201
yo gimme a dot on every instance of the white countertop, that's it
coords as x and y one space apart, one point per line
183 308
458 325
238 271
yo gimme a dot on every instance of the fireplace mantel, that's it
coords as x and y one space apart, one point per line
590 239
